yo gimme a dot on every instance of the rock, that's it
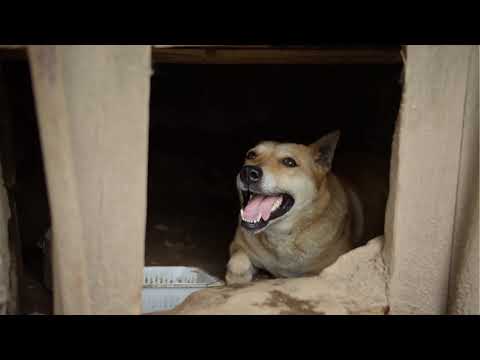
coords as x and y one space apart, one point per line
354 284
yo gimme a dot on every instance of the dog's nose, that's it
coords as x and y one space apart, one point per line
250 174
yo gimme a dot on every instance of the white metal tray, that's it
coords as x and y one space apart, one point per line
165 287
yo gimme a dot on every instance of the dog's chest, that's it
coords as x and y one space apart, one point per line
291 255
281 256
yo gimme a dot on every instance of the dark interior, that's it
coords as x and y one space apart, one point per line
203 120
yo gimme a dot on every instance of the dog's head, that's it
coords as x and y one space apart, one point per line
279 180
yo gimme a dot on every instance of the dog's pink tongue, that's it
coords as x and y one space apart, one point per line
259 204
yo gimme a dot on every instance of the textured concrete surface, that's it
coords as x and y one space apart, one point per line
92 105
464 272
424 176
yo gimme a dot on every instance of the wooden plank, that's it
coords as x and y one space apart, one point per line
92 104
423 180
212 46
261 54
7 53
224 55
257 55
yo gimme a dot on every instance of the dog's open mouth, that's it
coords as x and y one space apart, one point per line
259 209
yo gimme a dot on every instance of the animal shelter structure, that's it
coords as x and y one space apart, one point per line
131 146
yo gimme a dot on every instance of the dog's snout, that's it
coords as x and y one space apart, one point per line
251 174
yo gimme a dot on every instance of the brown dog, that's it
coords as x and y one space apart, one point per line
296 216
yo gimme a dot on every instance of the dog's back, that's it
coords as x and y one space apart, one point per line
365 179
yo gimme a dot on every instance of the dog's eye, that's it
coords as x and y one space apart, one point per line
251 155
289 162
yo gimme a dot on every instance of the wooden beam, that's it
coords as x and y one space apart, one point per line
13 52
92 104
265 55
258 54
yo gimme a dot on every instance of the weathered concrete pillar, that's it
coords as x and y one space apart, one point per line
424 177
464 273
92 104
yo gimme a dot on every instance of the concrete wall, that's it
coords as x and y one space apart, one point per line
4 249
429 170
464 274
92 104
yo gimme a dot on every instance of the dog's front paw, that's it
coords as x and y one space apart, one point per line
238 279
239 270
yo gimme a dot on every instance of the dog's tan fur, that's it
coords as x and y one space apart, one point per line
325 222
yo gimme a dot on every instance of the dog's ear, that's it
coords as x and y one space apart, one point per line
324 149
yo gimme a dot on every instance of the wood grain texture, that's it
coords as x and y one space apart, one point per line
249 54
259 55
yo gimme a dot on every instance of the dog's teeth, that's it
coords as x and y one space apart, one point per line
258 218
241 214
277 204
